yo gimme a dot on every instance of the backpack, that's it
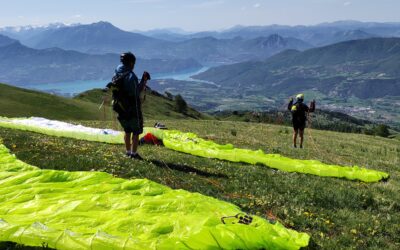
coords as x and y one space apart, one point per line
120 102
299 111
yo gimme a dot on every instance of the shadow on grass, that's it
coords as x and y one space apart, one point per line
15 246
312 245
186 169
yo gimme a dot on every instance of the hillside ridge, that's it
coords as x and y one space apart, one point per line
18 102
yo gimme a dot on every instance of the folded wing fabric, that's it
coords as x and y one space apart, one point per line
94 210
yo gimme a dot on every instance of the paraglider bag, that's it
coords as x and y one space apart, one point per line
120 101
122 108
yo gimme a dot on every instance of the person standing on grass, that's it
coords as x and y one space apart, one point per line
299 112
128 104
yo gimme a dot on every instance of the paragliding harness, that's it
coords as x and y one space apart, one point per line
241 217
120 102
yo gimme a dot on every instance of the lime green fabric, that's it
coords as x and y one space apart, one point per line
94 210
190 143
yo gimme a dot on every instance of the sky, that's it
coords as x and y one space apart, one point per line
195 15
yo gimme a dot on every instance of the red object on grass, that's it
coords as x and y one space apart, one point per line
149 138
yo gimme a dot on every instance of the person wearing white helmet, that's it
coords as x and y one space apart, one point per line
299 112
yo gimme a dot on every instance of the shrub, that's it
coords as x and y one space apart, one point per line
382 130
169 95
180 104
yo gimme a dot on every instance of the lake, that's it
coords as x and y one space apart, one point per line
75 87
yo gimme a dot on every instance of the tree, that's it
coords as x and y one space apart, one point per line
180 104
382 130
169 95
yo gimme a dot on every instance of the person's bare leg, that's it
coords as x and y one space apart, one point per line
135 143
294 137
134 146
127 139
301 132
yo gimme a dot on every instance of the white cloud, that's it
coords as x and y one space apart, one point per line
346 4
207 4
257 5
77 16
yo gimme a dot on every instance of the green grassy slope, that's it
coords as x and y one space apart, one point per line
155 105
337 213
18 102
320 119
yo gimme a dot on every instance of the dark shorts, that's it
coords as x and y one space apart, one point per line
133 125
299 125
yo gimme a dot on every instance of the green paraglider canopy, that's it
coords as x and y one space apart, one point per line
190 143
94 210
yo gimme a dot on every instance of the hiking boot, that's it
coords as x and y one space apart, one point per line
128 154
294 146
136 156
301 146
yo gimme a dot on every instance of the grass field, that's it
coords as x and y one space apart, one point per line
154 106
17 102
337 213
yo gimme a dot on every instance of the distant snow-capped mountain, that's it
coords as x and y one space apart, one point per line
24 28
25 32
103 37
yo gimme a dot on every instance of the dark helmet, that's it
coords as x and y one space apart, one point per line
127 58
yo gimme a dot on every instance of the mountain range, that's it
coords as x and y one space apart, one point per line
4 40
366 68
336 62
237 44
97 38
359 77
315 35
103 37
22 65
23 33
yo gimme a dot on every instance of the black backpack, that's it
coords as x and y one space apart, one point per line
120 101
299 111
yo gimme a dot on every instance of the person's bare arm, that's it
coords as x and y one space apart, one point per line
312 106
143 81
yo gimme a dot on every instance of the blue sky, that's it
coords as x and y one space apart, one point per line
195 15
